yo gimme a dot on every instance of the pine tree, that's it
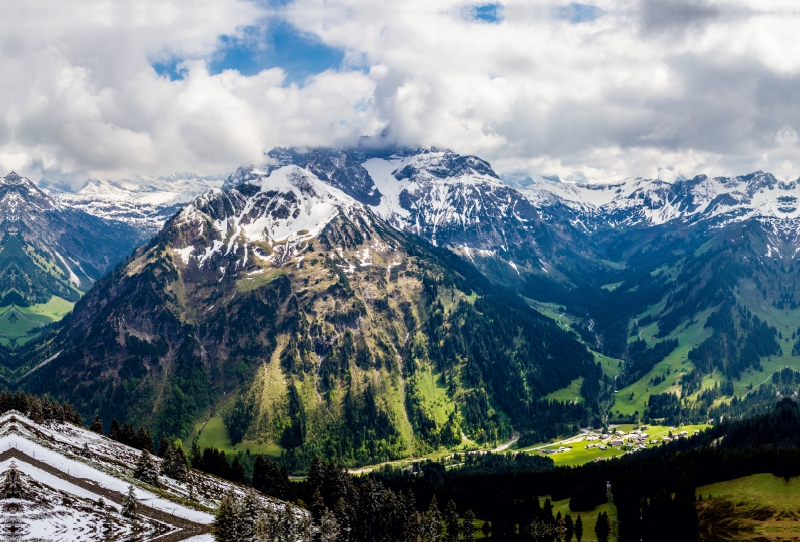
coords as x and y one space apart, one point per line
602 528
130 504
236 471
451 520
249 514
146 469
578 528
97 425
414 528
226 519
174 462
86 452
432 523
317 505
316 475
35 409
569 528
163 445
468 528
143 440
127 435
114 430
197 457
328 527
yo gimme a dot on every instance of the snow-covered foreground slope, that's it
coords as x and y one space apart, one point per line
65 473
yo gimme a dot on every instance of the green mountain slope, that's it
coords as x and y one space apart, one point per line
347 338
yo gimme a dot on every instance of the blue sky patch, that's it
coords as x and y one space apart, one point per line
283 46
579 13
486 13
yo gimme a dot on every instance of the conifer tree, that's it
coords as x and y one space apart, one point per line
328 527
248 516
143 440
163 445
432 523
197 457
578 528
317 505
468 528
414 528
451 520
316 475
130 504
114 430
173 462
602 527
226 519
146 469
236 471
127 435
86 452
35 409
97 425
569 528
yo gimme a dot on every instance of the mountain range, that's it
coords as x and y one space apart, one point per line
370 304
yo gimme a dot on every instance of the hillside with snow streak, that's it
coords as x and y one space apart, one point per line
61 482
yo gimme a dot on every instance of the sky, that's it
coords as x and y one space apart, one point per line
586 91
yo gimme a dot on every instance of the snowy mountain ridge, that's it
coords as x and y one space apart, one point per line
640 201
143 202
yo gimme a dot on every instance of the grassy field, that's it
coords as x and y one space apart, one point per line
212 434
760 507
434 395
589 519
570 393
22 323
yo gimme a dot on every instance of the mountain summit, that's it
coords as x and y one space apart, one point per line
49 255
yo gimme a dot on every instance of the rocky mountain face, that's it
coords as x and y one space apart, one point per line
290 311
49 249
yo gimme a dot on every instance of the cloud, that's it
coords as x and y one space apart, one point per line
81 96
677 15
599 90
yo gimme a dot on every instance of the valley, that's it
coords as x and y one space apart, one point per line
335 287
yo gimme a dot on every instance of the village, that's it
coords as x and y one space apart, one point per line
616 441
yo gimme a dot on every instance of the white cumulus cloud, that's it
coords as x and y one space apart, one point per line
598 89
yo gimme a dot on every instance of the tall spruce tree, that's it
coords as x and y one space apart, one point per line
569 528
163 445
226 519
97 425
578 528
146 469
468 528
602 528
114 430
130 504
451 521
328 528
